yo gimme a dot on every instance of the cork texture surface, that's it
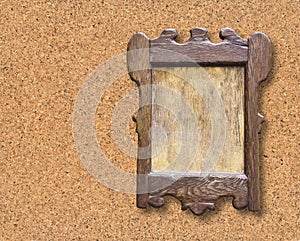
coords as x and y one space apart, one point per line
49 48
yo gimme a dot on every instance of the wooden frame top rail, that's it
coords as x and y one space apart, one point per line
164 50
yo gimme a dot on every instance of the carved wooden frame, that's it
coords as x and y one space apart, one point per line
198 192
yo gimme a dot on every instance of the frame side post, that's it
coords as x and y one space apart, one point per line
140 72
259 65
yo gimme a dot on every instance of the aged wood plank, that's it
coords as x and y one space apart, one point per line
140 72
167 52
215 96
258 68
198 192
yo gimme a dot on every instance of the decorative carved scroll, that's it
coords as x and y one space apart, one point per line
164 50
199 192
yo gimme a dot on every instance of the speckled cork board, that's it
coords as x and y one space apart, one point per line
48 49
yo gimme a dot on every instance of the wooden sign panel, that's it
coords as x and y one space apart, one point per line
204 98
228 83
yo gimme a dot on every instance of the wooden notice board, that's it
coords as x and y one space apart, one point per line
225 160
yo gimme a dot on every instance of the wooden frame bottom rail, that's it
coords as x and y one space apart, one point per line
198 192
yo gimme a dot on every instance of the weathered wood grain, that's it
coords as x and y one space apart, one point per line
166 51
199 192
223 83
140 72
258 68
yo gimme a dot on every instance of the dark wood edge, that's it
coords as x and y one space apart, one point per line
164 50
140 72
258 68
198 192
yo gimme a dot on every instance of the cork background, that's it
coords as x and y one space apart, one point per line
49 48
